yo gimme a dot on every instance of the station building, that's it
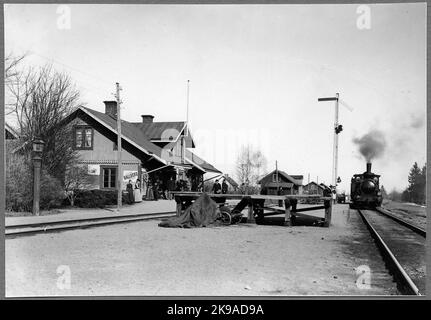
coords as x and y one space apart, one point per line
156 151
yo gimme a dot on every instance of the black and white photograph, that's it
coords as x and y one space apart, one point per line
215 150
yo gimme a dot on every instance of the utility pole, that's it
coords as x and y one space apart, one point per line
183 138
119 150
337 129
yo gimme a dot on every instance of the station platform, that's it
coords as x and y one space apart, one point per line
144 207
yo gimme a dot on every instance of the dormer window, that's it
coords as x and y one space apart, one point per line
83 138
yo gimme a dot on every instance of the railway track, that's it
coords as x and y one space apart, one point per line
409 225
402 246
57 226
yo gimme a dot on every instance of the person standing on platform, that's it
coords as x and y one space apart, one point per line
156 190
171 187
129 189
280 193
224 187
137 191
162 190
216 187
150 192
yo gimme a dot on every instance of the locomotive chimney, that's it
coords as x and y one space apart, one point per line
368 167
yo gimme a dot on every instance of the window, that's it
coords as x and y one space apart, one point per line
274 178
109 177
84 138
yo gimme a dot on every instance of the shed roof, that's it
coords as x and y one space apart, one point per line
318 185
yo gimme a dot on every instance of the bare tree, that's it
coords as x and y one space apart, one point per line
42 98
249 165
259 161
11 65
11 74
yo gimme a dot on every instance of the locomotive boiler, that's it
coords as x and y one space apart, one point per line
365 190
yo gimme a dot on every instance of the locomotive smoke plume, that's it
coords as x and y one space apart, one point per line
371 145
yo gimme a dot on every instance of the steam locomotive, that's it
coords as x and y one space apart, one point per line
365 191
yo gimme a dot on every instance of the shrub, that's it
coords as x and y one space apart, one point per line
51 192
76 178
96 198
19 186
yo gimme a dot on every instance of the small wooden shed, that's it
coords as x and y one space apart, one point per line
272 182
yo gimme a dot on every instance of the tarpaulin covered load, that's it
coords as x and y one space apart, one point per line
203 212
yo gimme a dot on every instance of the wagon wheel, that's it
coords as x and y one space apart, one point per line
226 218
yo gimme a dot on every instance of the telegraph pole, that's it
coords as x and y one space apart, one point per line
119 150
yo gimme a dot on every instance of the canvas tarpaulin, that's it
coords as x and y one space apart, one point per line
203 212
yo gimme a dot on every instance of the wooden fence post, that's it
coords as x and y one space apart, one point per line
179 205
328 213
250 217
287 220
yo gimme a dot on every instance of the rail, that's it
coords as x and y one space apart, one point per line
405 278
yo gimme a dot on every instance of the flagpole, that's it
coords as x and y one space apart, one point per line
188 99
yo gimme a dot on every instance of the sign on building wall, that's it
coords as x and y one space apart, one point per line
130 175
94 169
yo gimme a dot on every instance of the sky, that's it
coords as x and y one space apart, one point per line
255 71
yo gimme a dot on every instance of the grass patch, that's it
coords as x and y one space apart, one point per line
405 208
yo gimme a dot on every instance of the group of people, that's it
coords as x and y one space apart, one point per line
134 191
220 188
156 189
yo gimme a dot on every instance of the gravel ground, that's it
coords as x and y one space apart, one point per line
244 260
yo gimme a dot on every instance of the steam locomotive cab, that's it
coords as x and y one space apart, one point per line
365 190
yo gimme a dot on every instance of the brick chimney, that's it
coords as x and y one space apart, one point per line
111 108
147 118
